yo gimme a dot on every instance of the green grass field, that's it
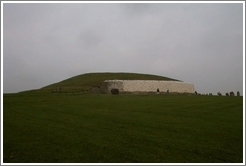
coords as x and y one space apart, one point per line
103 128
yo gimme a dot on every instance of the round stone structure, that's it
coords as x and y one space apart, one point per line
148 86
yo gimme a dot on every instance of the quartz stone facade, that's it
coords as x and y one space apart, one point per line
148 86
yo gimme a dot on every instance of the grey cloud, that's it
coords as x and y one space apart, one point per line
90 38
136 9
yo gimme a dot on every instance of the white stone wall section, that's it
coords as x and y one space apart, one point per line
148 86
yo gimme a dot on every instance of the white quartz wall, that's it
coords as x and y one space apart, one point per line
150 86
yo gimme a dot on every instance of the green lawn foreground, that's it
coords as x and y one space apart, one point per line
86 128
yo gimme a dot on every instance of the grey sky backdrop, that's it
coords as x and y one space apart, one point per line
193 42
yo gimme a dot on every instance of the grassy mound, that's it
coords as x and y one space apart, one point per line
86 82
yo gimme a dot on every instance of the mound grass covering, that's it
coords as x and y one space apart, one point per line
86 81
62 128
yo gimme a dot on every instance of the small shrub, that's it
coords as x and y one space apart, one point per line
238 93
227 94
231 93
115 91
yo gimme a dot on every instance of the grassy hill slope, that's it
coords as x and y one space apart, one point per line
86 81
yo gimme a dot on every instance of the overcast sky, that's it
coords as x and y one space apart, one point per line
193 42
